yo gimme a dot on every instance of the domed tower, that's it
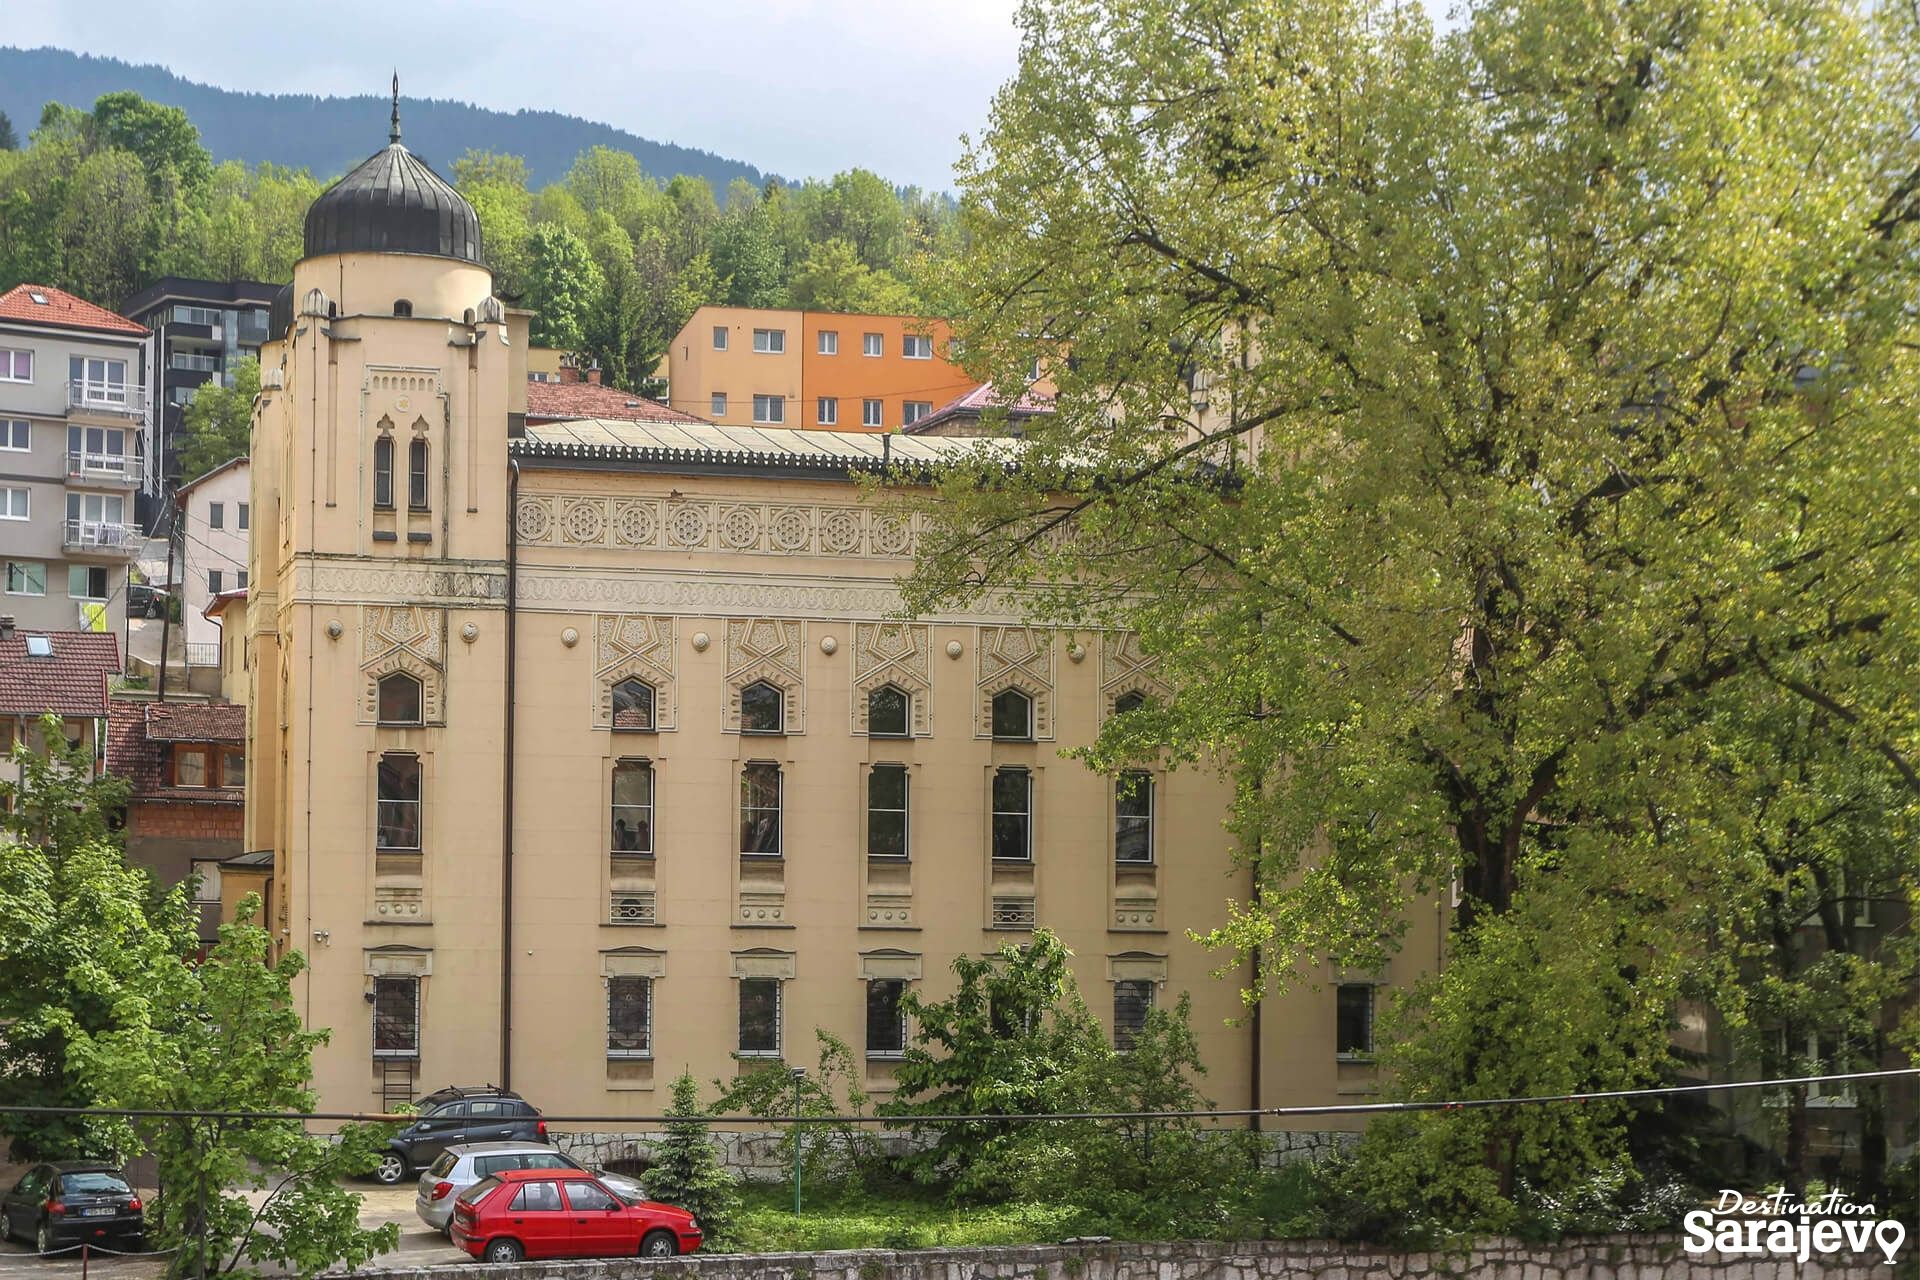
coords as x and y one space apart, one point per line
389 386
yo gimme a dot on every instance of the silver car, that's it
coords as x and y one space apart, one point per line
460 1167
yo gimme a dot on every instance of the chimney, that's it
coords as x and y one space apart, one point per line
6 626
593 377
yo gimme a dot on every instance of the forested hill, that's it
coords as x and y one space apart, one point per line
329 135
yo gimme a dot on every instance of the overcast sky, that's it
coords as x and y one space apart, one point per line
805 88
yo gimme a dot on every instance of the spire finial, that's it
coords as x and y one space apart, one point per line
393 134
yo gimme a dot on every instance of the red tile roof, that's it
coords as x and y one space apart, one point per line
196 722
972 404
70 681
138 738
562 401
222 599
62 310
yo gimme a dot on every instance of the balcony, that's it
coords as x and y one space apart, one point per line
104 468
101 538
112 399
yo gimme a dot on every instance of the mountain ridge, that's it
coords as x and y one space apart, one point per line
329 135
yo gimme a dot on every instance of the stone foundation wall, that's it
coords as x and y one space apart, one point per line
1598 1258
755 1154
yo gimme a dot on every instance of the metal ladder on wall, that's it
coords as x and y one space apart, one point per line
396 1083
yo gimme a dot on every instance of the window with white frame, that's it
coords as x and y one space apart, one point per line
762 708
396 1017
719 337
633 705
828 343
16 434
15 502
873 344
216 515
241 580
911 411
245 514
632 808
759 1018
15 365
827 412
629 1016
1133 817
184 314
873 413
889 712
769 409
1353 1021
916 346
1132 1001
886 1021
88 582
887 811
98 379
1012 815
214 582
770 342
1012 716
717 404
26 578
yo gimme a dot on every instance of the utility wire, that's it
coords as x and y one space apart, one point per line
1342 1109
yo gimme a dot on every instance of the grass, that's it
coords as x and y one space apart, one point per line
899 1217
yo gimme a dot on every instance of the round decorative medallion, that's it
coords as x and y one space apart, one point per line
891 537
954 648
840 532
688 526
334 629
1076 652
570 637
583 522
534 520
740 528
828 644
788 530
470 633
403 403
634 526
700 641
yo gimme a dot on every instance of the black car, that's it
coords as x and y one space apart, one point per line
144 601
73 1202
455 1116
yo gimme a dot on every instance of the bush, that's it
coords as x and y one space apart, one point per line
831 1152
687 1171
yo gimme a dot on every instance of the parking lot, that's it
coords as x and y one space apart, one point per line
419 1246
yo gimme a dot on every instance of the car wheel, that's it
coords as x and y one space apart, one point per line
391 1169
659 1244
43 1238
504 1250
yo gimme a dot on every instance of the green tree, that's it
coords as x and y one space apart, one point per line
496 186
224 1036
859 207
105 227
745 252
78 928
563 286
162 137
687 1171
829 1151
834 279
217 423
1521 449
9 141
1011 1040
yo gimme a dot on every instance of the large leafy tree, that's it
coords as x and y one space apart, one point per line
563 286
216 424
78 929
1463 420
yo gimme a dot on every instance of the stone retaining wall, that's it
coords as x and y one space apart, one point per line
755 1154
1598 1258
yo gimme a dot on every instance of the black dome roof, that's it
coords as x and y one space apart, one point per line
393 203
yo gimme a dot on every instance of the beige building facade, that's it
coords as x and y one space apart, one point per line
589 751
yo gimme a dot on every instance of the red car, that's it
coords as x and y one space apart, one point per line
565 1213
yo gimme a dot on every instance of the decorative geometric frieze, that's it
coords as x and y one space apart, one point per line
1126 668
632 645
1013 913
895 653
1135 913
326 580
890 908
762 907
1013 658
769 649
405 638
398 902
681 524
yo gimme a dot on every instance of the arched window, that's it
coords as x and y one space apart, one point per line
417 475
383 472
1012 715
762 708
888 710
399 698
633 705
1131 700
401 307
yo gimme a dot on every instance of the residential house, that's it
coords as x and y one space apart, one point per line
59 673
215 517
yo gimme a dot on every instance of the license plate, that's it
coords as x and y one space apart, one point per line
98 1213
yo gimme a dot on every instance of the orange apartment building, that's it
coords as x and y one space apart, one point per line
750 366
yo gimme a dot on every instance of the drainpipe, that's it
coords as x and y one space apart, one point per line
506 806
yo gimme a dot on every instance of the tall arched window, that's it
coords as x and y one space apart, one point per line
417 475
383 471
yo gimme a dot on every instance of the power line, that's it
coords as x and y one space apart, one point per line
1339 1109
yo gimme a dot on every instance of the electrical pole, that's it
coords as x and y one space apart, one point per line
166 607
